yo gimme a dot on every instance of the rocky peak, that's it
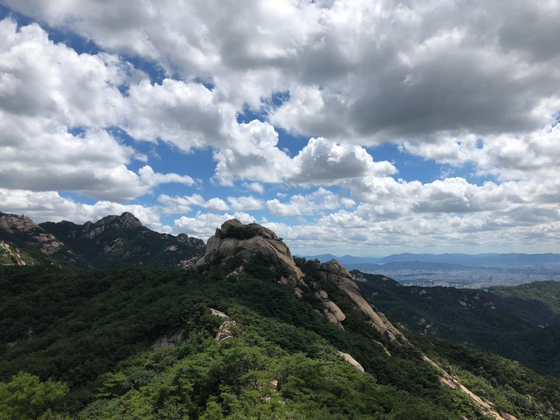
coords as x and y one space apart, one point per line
124 221
234 239
11 224
194 242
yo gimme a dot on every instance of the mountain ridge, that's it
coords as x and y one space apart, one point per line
112 241
448 258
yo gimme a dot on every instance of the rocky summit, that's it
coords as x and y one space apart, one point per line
235 241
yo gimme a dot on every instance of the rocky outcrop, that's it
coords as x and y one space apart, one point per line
332 312
352 361
227 328
189 240
24 229
236 240
336 273
10 256
124 221
167 341
486 407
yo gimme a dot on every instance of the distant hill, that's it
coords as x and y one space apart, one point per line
537 302
460 259
406 265
112 242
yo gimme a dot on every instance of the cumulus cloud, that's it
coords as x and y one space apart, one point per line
245 203
467 84
175 205
54 106
356 71
324 161
300 205
185 114
253 155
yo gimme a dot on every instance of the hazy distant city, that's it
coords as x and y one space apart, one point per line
475 277
458 270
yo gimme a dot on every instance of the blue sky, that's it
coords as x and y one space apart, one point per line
349 127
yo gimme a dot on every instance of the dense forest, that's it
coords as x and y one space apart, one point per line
141 344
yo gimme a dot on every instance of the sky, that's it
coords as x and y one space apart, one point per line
361 127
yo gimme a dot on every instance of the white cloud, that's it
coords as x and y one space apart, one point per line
54 105
303 205
324 161
185 114
469 84
245 203
176 205
253 155
256 187
39 78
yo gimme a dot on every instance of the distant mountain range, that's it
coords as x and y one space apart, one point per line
458 259
112 242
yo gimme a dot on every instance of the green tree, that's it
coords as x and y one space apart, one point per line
26 397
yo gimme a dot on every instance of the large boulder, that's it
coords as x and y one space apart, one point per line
236 240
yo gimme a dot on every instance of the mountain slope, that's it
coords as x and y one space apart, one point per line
25 243
478 318
538 302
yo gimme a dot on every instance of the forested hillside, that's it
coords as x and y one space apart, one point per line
93 331
509 321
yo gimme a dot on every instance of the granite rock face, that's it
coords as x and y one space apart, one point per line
236 240
23 230
332 312
333 271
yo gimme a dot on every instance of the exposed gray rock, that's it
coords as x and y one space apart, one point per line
167 340
333 271
227 329
352 361
332 312
124 221
189 240
235 239
34 234
12 254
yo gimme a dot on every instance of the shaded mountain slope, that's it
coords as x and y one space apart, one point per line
477 318
112 242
